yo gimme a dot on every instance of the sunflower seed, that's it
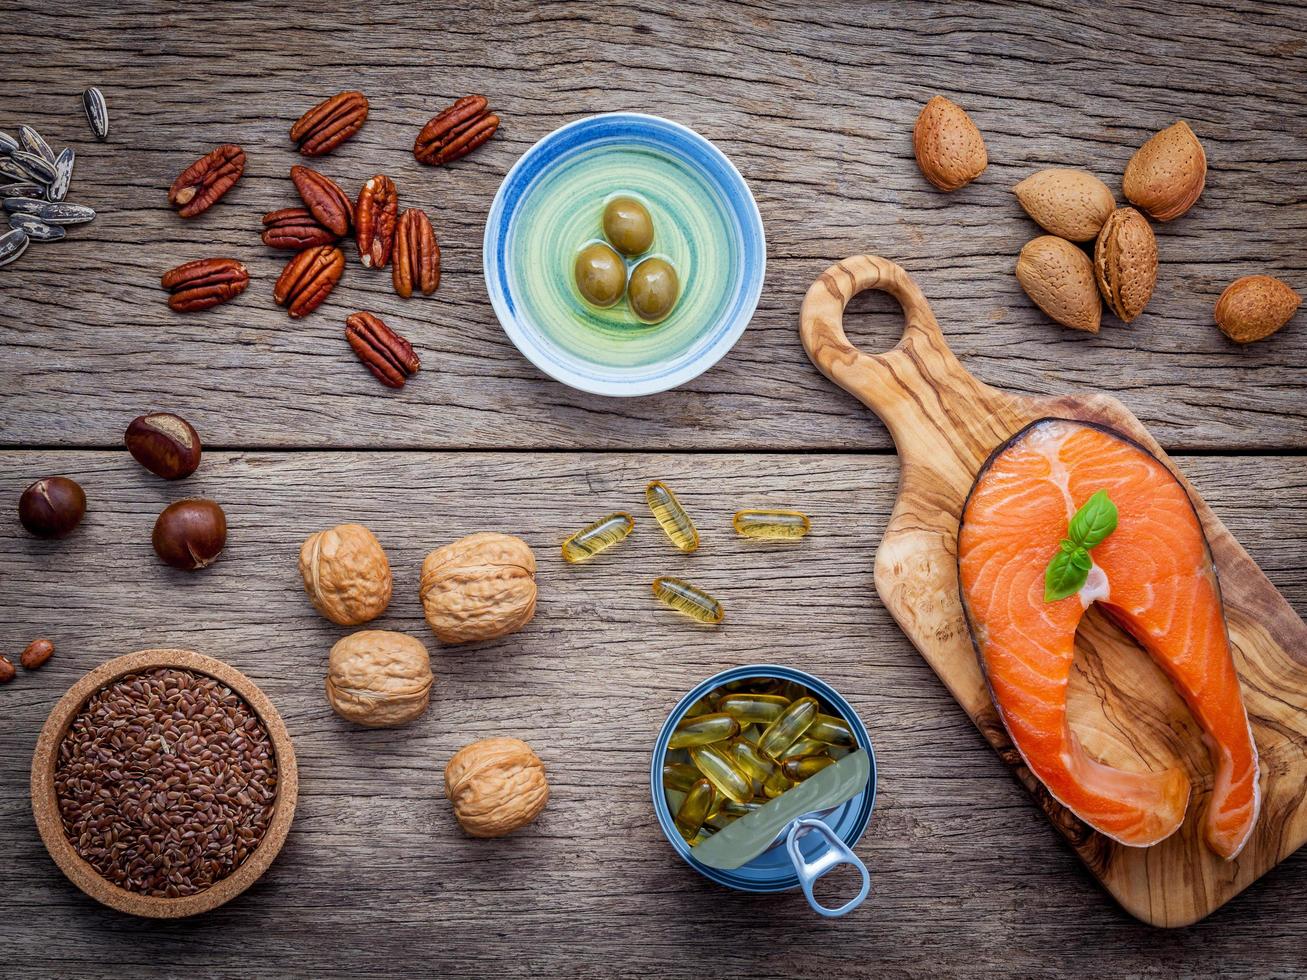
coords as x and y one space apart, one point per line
37 230
21 189
50 212
33 142
13 171
7 144
12 244
97 113
63 167
37 166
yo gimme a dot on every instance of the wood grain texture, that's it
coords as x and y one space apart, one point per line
946 424
375 878
814 102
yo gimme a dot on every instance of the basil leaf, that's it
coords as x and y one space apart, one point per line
1094 521
1066 573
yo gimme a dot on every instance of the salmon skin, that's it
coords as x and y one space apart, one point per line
1153 575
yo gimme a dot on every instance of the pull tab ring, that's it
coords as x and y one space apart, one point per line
835 853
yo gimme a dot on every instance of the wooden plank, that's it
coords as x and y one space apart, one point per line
815 103
376 879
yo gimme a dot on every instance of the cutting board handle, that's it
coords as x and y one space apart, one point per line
890 384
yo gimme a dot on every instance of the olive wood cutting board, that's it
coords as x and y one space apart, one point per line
945 424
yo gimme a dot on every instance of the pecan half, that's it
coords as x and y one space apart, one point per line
329 123
417 256
308 278
203 283
375 218
383 352
295 229
201 184
456 131
324 199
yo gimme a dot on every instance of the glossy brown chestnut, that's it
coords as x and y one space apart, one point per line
165 444
52 507
190 534
7 670
36 653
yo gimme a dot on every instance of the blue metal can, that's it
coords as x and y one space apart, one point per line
795 859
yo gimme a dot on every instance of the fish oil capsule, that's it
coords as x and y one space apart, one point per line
750 708
701 707
750 760
694 811
832 730
597 537
722 772
772 525
785 730
679 777
702 730
751 734
684 597
672 516
804 746
776 784
703 834
808 765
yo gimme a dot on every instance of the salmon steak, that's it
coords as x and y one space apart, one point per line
1152 574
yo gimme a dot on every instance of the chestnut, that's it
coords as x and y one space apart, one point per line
165 444
52 507
189 534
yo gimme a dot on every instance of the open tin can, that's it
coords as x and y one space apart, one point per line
810 845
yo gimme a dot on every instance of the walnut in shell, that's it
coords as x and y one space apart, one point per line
379 678
496 785
346 574
479 587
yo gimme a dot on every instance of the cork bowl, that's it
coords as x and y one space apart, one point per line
45 805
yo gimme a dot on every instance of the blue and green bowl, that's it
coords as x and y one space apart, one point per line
706 224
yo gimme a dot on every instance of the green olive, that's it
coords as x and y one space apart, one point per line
600 274
627 225
653 289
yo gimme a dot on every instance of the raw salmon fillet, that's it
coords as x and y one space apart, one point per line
1153 575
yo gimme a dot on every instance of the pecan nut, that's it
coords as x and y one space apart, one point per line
325 200
456 131
204 283
375 218
329 123
201 184
295 229
385 353
308 278
417 255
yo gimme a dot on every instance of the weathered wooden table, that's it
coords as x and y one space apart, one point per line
815 104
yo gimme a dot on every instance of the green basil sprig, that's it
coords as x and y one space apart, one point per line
1069 568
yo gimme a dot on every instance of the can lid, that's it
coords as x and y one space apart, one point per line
744 839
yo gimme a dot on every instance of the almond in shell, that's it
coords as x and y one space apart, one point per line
1125 262
1071 204
1059 277
1255 307
1166 174
949 148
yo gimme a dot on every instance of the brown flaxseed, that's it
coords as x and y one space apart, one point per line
166 782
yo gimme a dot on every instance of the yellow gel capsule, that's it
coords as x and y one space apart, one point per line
694 811
785 730
701 707
679 777
804 746
750 760
684 597
776 784
671 516
722 771
597 537
809 765
750 708
703 729
700 837
750 734
771 525
832 730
